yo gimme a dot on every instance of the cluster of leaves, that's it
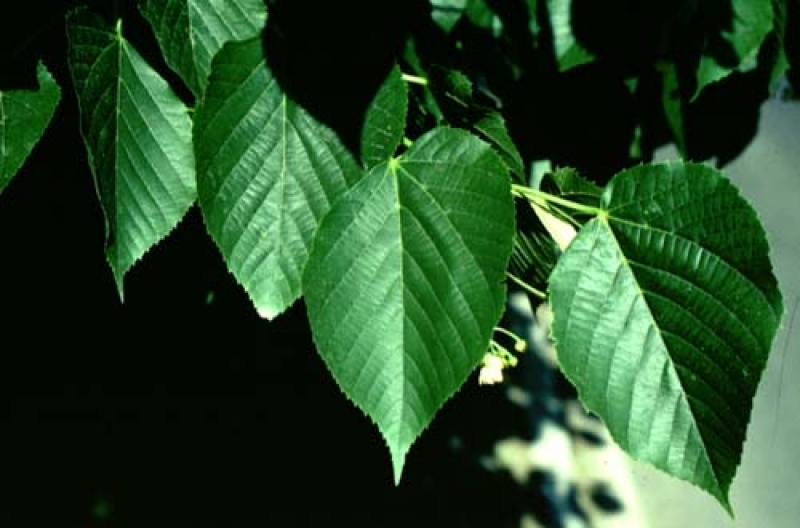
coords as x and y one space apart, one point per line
399 217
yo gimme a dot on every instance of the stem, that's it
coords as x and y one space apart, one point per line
542 198
527 287
415 79
509 333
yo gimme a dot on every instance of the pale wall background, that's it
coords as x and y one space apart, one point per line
766 490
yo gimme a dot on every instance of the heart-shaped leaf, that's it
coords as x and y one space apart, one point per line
267 171
191 32
665 307
138 135
24 116
405 280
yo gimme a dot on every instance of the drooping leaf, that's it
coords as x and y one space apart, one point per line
24 116
404 283
665 307
191 32
138 136
385 120
673 104
267 171
735 47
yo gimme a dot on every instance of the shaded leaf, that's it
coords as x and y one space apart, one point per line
665 307
24 116
735 47
404 283
191 32
138 136
460 107
447 13
569 52
385 120
267 172
568 183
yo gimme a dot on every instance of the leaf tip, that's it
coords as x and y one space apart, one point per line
267 313
398 461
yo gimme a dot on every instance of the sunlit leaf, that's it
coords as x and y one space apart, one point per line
267 172
138 136
665 307
405 280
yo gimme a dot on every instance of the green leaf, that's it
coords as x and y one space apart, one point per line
568 183
267 172
665 307
751 21
138 136
24 116
673 104
385 120
404 283
191 32
569 52
458 103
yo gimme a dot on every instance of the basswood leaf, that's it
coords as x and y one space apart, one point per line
138 136
665 307
24 116
735 47
404 283
385 120
267 171
191 32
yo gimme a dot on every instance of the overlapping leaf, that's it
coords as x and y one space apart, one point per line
138 136
385 120
191 32
267 173
24 116
665 308
404 283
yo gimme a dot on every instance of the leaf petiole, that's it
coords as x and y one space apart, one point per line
525 286
543 199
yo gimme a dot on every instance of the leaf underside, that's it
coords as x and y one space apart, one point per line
665 308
